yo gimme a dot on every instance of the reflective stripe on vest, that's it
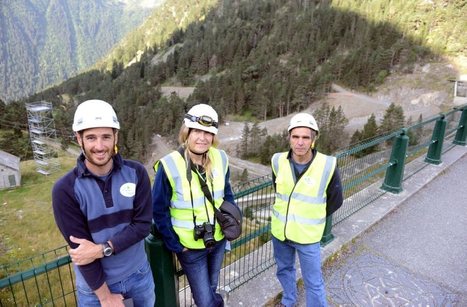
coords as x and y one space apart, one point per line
298 219
181 208
299 211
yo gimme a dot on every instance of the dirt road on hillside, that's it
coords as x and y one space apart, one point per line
425 91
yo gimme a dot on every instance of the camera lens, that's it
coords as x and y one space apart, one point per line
208 237
209 242
205 231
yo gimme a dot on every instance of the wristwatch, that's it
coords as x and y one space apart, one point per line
107 249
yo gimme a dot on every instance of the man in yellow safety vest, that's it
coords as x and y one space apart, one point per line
308 189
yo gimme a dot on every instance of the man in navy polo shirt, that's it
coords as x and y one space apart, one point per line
103 208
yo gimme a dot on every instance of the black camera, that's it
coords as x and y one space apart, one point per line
205 231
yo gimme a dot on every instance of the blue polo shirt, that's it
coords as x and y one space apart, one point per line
117 207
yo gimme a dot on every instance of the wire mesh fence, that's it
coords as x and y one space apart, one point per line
45 279
250 254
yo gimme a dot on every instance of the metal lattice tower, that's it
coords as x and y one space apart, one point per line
43 136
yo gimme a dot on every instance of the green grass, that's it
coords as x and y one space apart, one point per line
26 218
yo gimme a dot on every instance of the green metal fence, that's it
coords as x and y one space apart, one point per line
387 160
43 280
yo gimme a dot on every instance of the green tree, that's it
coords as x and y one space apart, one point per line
244 145
331 123
2 113
370 130
355 138
244 176
16 143
393 119
256 139
142 70
272 144
415 134
15 115
117 69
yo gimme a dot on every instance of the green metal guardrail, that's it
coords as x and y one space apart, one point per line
386 160
44 279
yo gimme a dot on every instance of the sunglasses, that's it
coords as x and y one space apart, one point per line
204 120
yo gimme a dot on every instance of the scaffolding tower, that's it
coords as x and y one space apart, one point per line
43 136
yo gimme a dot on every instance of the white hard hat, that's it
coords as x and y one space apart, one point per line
93 114
202 117
303 120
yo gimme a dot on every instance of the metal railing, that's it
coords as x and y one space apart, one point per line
386 161
45 279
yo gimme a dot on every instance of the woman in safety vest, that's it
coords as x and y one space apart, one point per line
188 183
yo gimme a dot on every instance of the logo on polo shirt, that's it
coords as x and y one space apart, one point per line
128 189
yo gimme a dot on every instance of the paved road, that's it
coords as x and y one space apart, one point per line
415 256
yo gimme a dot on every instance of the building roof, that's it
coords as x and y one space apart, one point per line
9 160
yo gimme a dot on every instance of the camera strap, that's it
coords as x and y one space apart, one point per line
204 187
181 151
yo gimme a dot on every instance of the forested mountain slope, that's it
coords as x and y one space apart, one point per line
45 42
262 59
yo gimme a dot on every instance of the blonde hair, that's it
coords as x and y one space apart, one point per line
182 140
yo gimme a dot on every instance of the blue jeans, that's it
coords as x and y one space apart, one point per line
139 286
310 263
202 267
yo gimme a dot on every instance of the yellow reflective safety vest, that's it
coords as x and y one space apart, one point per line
299 210
183 206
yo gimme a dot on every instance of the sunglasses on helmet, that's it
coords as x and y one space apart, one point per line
204 120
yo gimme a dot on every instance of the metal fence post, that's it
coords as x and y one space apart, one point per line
433 155
327 235
163 270
395 171
461 133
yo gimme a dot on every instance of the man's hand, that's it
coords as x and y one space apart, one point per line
108 299
86 252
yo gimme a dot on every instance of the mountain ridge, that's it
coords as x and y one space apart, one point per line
45 42
257 59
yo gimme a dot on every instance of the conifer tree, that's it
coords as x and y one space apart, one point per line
255 139
370 129
244 147
244 176
415 134
141 70
355 138
331 123
419 130
2 113
393 119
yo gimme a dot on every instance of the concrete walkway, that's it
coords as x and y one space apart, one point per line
406 249
415 256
